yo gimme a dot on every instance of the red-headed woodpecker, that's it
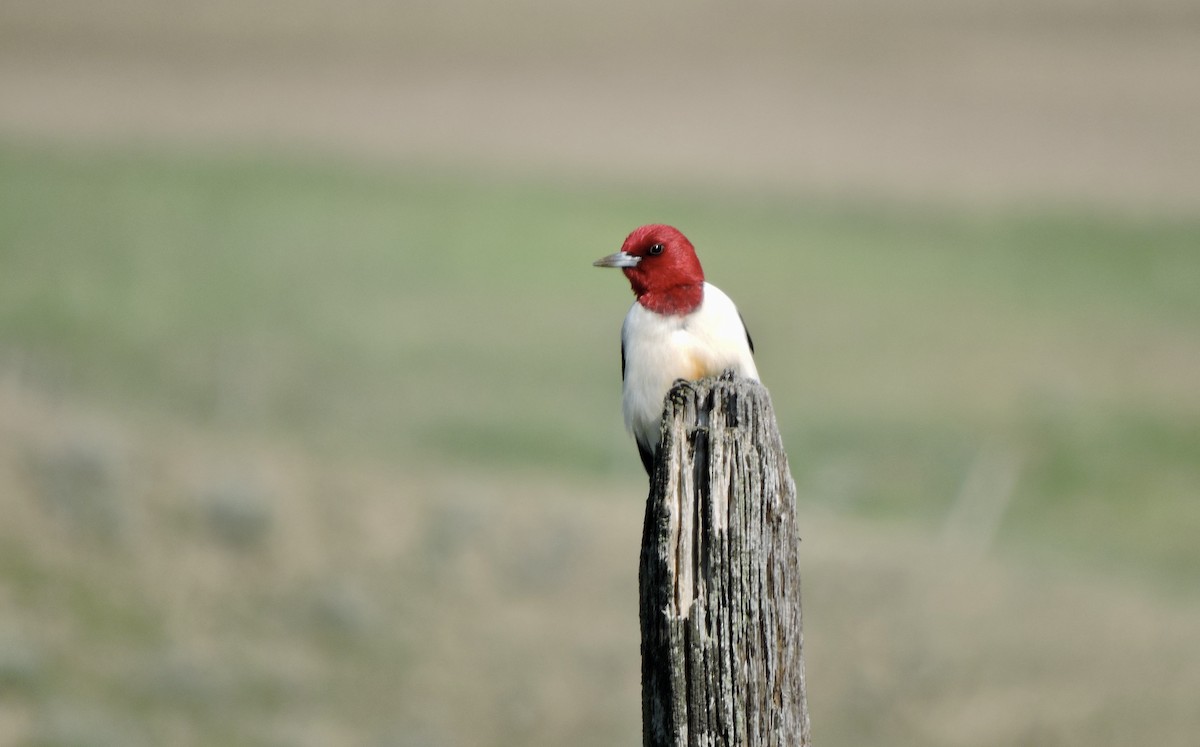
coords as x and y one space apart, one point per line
680 327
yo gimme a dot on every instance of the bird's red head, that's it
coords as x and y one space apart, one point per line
662 267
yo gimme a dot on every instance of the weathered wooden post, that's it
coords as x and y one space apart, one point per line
722 647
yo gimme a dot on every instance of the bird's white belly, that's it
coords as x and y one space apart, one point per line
652 366
660 350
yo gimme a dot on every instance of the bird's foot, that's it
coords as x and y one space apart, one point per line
681 389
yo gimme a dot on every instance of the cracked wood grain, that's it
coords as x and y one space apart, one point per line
722 640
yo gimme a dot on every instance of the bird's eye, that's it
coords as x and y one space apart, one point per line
656 249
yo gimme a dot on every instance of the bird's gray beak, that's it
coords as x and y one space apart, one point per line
620 259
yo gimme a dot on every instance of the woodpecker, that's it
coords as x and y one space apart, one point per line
680 327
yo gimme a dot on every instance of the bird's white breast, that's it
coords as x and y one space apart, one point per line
661 348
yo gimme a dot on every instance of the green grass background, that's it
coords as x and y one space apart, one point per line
302 452
419 316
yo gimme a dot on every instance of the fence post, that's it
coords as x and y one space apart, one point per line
722 646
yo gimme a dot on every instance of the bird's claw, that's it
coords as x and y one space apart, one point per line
681 389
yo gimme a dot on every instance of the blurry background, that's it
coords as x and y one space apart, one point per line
310 429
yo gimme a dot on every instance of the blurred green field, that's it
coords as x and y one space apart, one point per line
301 452
425 317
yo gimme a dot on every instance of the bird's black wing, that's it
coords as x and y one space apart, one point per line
647 458
622 360
749 340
